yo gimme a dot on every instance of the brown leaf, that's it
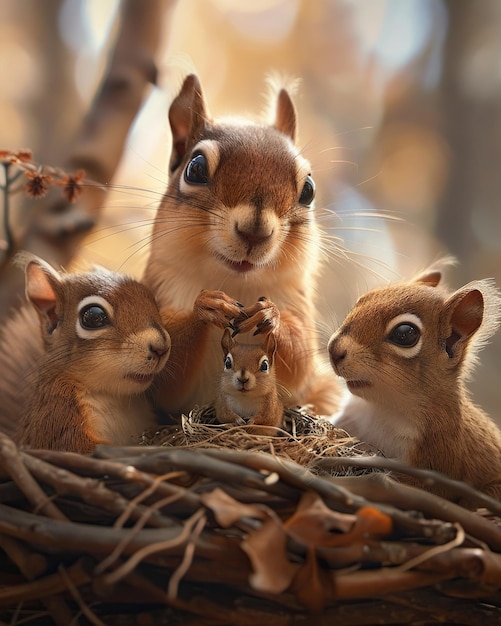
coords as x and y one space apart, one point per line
267 551
228 511
313 522
308 585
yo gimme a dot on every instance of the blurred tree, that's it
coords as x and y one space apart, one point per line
55 227
468 217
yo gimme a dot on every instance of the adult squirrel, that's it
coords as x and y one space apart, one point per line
248 392
237 220
101 344
405 351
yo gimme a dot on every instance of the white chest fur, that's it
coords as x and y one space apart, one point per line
390 432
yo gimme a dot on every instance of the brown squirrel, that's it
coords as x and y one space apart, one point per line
248 392
237 220
405 351
101 344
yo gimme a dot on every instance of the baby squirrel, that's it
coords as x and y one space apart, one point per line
248 391
238 215
405 352
101 344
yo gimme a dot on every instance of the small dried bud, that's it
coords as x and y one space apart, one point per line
38 184
16 156
24 155
72 185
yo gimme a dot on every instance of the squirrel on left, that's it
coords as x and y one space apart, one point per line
101 344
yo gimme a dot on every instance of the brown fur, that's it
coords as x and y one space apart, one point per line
86 386
242 235
247 395
416 408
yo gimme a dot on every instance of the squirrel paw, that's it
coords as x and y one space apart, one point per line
264 316
217 308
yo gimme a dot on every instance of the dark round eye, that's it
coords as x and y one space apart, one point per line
307 192
93 316
405 335
265 365
228 362
197 171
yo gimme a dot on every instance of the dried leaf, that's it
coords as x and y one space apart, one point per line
308 585
313 522
267 551
228 511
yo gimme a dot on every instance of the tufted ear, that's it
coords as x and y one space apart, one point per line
42 287
285 117
463 315
188 115
433 275
431 278
271 347
227 342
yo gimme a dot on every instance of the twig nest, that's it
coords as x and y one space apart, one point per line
304 439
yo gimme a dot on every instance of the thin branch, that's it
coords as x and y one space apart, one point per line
11 462
47 586
73 589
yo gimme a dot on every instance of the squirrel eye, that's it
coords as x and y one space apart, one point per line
228 362
307 192
405 335
264 365
93 316
197 171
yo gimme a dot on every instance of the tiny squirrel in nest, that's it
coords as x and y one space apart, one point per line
100 346
248 392
237 220
406 351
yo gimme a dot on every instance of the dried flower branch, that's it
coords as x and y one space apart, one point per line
38 181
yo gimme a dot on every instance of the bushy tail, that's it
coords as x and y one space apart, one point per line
20 349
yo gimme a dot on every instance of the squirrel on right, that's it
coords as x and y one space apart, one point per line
405 352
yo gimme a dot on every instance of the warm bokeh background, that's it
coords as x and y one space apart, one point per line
400 114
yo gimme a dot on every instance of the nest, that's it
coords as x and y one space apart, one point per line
214 526
304 439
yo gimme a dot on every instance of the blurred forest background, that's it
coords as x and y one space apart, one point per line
399 108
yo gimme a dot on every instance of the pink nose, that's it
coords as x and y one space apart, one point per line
159 347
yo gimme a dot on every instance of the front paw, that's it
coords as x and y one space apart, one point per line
217 308
264 316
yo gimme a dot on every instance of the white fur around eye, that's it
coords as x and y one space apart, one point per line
228 362
210 149
405 318
261 361
84 333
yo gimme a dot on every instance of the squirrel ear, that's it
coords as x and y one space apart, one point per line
431 278
42 282
227 342
271 347
434 274
464 312
188 114
285 120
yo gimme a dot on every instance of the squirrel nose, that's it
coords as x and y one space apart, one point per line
159 347
336 355
253 237
243 378
159 351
